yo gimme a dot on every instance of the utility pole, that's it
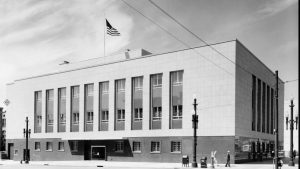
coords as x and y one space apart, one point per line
276 124
195 121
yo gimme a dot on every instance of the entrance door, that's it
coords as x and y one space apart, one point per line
98 153
11 151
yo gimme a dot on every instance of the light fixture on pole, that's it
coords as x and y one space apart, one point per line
291 121
26 132
195 126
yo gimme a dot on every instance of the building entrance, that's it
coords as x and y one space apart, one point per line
98 153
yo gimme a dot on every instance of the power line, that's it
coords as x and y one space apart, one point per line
185 28
185 44
288 81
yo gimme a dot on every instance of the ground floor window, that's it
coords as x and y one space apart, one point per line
155 147
61 146
136 147
175 146
74 146
119 146
37 146
48 146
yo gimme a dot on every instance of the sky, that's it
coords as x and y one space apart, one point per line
37 35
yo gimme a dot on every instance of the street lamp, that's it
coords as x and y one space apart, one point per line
26 135
291 121
195 126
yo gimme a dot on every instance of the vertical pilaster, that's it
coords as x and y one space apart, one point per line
146 101
55 108
68 109
111 120
96 107
81 108
165 100
128 102
43 111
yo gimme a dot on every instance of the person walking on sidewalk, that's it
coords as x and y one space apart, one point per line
228 159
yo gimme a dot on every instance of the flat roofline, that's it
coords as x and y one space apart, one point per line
257 59
119 61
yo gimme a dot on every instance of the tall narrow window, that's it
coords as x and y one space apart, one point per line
38 111
61 110
49 111
120 105
253 102
176 99
137 103
268 109
259 106
88 107
264 108
104 106
155 101
74 108
272 111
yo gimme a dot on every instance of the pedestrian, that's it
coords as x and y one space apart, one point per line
212 159
216 162
228 159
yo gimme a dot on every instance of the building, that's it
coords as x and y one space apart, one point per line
2 130
137 106
287 129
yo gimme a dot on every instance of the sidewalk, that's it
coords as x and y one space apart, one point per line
138 164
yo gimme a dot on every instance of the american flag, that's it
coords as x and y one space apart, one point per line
111 30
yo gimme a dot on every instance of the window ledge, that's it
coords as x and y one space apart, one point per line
155 152
137 152
48 150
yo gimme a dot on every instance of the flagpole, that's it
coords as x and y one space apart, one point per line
104 32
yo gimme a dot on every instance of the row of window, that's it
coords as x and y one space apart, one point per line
119 146
262 106
137 115
60 146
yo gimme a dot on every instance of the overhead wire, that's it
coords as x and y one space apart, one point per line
188 30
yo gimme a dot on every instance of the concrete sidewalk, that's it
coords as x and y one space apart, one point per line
115 164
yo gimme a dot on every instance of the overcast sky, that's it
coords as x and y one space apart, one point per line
35 35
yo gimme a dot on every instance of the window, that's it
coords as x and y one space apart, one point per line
61 109
38 111
138 83
74 109
175 146
37 146
103 106
137 103
136 147
156 113
155 147
75 118
119 146
74 146
138 114
61 146
176 96
90 89
121 85
157 80
104 116
177 112
90 117
253 102
119 105
121 115
48 146
176 78
16 152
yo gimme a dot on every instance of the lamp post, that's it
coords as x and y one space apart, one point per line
26 134
291 121
195 126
